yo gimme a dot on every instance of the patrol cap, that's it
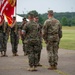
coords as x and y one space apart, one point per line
36 16
30 14
24 19
50 12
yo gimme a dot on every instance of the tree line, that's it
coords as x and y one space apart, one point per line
66 18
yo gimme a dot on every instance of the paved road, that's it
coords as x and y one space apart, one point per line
18 65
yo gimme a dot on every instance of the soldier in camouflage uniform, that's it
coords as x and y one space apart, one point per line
14 36
52 33
3 38
32 42
22 36
36 19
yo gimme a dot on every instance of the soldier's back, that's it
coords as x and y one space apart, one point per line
52 29
32 31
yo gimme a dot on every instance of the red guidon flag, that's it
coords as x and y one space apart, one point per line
7 9
1 15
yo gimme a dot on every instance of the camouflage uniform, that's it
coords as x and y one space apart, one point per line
14 38
1 38
36 19
40 36
32 42
4 37
52 33
22 36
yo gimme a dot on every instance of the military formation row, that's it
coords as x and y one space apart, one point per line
31 34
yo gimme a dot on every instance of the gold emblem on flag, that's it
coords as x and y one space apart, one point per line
12 2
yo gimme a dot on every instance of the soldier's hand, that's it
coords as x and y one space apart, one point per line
46 42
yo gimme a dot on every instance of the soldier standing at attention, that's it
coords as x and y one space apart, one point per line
14 36
36 19
52 33
22 36
3 38
32 41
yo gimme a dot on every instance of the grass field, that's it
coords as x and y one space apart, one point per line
68 39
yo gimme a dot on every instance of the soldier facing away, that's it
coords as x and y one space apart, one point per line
52 33
32 42
3 38
36 19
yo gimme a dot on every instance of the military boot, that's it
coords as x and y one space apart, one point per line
39 65
16 54
30 68
25 54
54 67
1 54
5 54
34 69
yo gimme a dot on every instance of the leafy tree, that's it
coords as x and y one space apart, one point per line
73 21
66 18
64 21
41 19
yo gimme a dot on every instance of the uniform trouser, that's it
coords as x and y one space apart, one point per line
1 42
14 42
33 51
52 50
24 47
39 54
5 39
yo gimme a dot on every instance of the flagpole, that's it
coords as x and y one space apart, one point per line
16 13
15 8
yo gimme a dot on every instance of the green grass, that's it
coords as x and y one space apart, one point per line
68 39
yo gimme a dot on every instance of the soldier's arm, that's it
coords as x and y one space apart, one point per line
20 28
45 31
24 29
8 30
1 23
13 24
60 31
40 29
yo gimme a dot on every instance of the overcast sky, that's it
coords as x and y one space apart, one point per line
42 6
